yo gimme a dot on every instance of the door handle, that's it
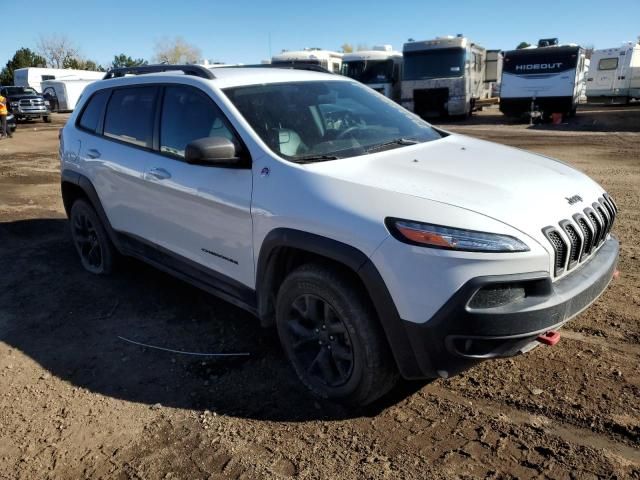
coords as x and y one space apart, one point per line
93 153
158 174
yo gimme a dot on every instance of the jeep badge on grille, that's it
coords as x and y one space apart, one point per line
574 199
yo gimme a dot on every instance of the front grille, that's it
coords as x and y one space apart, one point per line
31 102
575 240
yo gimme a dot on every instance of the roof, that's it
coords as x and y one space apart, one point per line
226 77
306 54
370 55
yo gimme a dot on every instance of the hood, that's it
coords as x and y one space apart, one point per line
15 98
524 190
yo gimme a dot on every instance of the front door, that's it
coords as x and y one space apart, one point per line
199 213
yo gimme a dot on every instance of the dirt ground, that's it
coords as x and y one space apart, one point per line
77 401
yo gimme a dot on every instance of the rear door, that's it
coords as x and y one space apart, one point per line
200 213
116 152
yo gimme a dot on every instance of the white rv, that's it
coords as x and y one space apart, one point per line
614 75
444 76
542 80
326 59
63 94
34 76
379 68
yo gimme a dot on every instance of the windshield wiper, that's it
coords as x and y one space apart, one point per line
397 141
314 158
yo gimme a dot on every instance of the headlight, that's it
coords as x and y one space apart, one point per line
14 104
46 102
437 236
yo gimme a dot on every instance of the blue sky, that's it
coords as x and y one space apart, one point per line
239 30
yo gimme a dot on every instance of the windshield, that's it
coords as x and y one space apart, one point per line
440 63
20 91
329 119
369 71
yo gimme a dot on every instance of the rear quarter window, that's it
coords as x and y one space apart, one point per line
130 114
92 113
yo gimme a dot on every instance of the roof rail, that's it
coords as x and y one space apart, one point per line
286 65
195 70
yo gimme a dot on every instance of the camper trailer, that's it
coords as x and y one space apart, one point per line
539 81
326 59
614 75
379 68
34 76
63 94
444 76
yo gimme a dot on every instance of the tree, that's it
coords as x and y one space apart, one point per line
78 63
522 45
23 58
588 51
123 60
175 51
347 48
57 49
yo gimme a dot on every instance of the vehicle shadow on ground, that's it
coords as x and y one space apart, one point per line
591 118
70 321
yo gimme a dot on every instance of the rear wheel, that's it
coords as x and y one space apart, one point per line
332 337
96 251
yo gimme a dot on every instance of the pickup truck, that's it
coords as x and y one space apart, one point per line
26 104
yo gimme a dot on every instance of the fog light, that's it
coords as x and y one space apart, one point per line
497 295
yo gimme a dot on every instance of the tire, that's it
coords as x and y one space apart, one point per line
46 119
97 253
332 338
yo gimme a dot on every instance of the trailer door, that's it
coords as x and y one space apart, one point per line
623 73
607 71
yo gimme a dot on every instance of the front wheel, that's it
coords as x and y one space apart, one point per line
46 119
332 337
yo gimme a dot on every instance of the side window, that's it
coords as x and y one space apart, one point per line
608 64
189 114
91 114
129 116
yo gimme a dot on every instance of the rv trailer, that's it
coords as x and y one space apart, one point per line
34 76
614 75
444 76
326 59
63 94
379 68
539 81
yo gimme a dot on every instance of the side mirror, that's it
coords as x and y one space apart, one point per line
214 151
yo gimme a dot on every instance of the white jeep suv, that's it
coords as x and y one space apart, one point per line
378 245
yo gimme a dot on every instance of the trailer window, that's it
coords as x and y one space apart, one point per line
608 63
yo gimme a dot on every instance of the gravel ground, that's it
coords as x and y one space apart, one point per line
77 401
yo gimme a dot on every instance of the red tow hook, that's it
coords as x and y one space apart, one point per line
549 338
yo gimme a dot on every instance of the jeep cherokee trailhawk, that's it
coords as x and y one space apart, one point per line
378 245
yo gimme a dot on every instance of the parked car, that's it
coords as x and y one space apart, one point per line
26 104
377 244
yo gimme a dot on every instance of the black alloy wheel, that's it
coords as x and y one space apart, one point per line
320 341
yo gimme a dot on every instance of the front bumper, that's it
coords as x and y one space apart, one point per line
30 112
458 336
